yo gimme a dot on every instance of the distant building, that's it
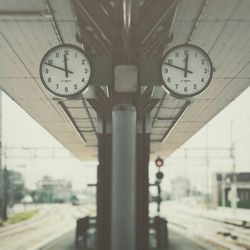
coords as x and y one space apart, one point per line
180 187
15 187
221 188
53 191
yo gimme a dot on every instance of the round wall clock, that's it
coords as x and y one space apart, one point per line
186 70
65 70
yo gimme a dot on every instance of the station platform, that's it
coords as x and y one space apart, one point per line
238 217
176 242
188 228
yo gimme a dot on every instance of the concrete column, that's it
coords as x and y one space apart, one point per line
123 181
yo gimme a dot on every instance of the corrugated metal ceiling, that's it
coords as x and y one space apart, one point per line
221 27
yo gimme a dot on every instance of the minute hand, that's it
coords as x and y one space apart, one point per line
178 67
186 66
54 66
66 66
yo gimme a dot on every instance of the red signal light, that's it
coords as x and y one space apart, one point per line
159 162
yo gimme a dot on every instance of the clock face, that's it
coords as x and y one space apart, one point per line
186 70
65 70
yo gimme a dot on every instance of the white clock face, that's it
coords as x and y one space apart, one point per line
65 70
186 70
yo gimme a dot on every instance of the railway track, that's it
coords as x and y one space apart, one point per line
223 233
49 222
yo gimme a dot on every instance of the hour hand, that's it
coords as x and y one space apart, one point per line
54 66
177 67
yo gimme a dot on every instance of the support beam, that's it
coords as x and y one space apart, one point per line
153 15
97 19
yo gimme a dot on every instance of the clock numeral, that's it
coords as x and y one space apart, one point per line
176 54
57 54
49 79
170 61
202 80
83 79
185 89
176 86
66 89
166 70
76 55
195 86
75 86
50 61
202 61
205 70
57 86
66 52
85 71
83 61
185 52
46 71
169 79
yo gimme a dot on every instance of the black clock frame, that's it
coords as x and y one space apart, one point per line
208 81
65 45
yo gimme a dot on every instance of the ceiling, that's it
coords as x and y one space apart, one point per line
28 28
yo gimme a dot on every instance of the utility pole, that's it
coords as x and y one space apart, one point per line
5 194
186 174
223 188
207 173
234 176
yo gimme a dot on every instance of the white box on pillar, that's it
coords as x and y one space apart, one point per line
126 78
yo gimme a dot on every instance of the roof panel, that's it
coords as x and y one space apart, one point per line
23 42
21 5
65 20
9 59
225 35
24 39
220 27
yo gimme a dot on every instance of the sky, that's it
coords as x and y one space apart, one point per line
230 127
20 130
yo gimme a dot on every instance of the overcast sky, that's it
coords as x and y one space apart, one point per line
216 134
20 130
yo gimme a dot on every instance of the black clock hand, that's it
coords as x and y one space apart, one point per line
186 66
188 71
59 68
66 66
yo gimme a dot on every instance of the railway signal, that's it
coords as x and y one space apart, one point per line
159 162
159 175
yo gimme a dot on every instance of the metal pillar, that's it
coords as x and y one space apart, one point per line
123 180
142 220
103 187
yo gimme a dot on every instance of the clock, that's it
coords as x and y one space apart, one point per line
65 70
186 70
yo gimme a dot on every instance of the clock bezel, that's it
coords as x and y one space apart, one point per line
178 95
66 45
